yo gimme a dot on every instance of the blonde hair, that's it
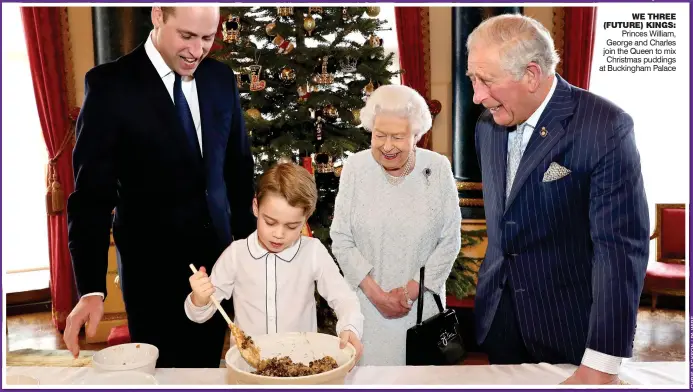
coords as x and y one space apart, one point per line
293 183
521 39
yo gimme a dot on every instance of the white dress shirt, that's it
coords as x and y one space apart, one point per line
189 90
592 359
167 76
275 292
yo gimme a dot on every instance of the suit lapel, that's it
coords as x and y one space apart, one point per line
560 107
163 106
205 97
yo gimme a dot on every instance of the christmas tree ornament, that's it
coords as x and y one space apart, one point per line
318 128
324 77
317 10
330 111
338 171
368 90
283 46
285 11
287 75
345 14
254 113
375 41
255 83
304 92
348 64
231 29
309 24
269 29
357 116
239 82
307 163
373 11
323 163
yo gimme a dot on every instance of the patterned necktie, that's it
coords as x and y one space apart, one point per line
184 114
514 157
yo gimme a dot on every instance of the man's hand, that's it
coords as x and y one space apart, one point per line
88 308
588 376
350 336
202 288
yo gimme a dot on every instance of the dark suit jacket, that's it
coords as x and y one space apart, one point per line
574 250
172 206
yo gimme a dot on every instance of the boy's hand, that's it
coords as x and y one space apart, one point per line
350 336
202 288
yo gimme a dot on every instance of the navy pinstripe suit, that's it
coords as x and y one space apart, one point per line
573 251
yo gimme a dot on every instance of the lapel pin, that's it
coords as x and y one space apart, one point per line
543 132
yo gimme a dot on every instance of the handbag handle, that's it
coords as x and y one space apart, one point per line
419 305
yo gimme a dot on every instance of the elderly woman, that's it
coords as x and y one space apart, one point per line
396 211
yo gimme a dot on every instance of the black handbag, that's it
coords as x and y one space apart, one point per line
436 341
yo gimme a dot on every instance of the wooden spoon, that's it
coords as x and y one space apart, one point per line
249 351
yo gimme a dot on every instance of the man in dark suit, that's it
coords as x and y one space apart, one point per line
161 139
567 217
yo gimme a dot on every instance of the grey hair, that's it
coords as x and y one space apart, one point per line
401 101
521 39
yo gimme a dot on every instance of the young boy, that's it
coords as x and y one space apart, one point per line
272 273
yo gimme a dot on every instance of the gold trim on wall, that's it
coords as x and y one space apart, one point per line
114 316
466 202
558 34
468 186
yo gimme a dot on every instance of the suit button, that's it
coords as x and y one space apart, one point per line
206 193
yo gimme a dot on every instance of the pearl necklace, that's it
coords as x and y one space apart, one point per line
396 180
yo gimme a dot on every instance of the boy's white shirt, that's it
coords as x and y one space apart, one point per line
274 293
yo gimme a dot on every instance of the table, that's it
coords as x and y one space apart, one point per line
640 373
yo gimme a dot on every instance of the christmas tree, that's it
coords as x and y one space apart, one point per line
303 74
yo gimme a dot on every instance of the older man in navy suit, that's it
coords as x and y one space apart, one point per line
160 139
565 207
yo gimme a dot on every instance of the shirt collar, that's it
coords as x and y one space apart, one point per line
155 57
257 251
534 118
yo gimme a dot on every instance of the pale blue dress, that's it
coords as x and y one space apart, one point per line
390 231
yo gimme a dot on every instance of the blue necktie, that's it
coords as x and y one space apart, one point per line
184 114
514 157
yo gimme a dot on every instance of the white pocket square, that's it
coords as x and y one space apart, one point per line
555 172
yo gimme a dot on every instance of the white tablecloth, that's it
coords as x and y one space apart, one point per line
639 373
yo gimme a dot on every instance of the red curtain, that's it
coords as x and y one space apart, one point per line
43 33
580 23
411 37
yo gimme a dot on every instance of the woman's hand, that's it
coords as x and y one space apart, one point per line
393 305
388 304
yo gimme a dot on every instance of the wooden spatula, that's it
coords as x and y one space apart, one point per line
245 344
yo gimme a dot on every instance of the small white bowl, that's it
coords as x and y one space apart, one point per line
119 378
21 379
130 356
